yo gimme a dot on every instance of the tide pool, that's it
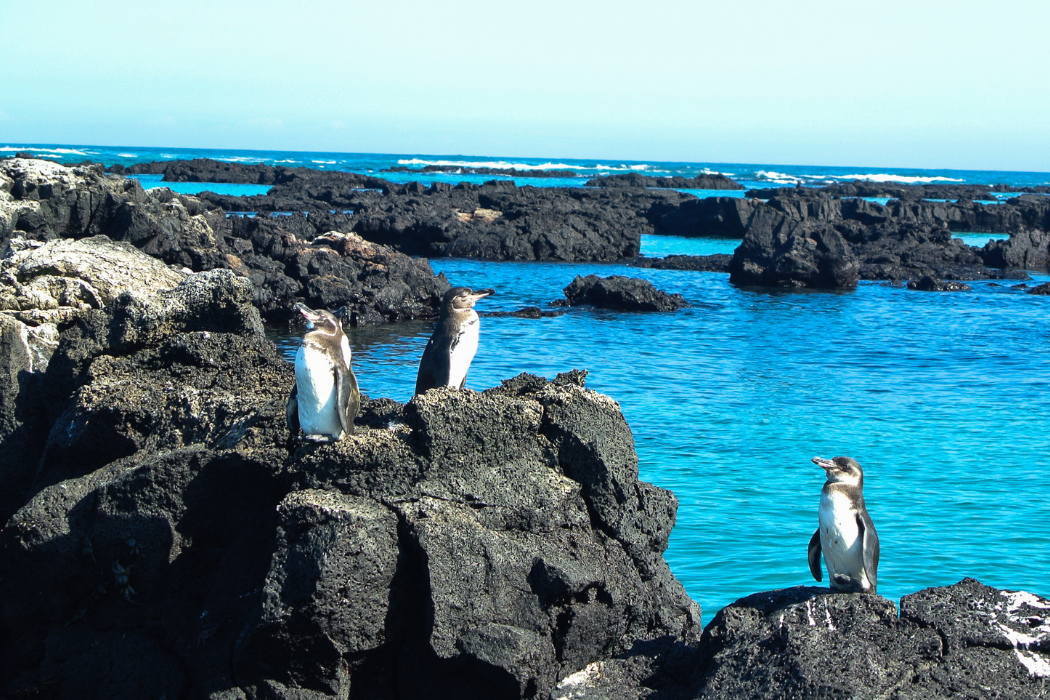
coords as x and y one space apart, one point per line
150 182
939 396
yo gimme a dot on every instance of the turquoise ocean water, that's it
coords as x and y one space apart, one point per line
942 398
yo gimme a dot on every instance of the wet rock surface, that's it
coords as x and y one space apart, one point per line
932 284
301 257
172 539
1043 289
524 312
718 262
619 292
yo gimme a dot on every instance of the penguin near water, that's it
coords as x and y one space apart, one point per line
846 536
451 349
325 398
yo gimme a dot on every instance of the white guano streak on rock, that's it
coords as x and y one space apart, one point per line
827 616
1034 662
572 686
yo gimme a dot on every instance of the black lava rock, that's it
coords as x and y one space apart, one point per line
300 257
966 640
718 262
463 545
701 182
619 292
785 254
932 284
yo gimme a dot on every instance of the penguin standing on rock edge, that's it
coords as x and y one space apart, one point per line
451 349
325 398
846 536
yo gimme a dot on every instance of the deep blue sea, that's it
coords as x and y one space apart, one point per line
942 398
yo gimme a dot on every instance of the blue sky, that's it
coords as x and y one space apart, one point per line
906 84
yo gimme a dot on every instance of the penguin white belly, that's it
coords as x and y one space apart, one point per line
315 381
462 353
840 539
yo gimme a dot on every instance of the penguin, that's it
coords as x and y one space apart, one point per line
325 398
846 535
450 350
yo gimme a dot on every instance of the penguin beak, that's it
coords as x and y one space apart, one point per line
825 464
308 314
481 294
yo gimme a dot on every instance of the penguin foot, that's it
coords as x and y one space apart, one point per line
846 584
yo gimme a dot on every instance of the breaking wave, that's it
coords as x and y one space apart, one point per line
889 177
34 149
505 165
778 178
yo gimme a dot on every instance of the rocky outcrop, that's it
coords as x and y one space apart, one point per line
1043 289
932 284
311 258
713 181
174 541
475 170
621 293
718 262
532 312
966 640
1025 249
498 221
208 170
789 255
43 289
781 250
890 190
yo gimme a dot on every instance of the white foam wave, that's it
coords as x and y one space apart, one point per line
779 178
324 162
240 159
128 155
34 149
506 165
287 160
709 171
889 177
622 167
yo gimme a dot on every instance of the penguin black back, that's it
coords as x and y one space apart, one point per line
450 350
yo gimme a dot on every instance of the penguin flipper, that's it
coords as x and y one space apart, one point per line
433 367
814 556
870 547
348 398
292 410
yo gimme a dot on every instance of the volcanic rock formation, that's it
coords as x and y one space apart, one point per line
619 292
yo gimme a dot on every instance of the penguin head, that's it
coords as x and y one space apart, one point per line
843 470
459 298
321 320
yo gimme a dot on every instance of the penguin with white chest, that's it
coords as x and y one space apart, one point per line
451 349
846 536
325 398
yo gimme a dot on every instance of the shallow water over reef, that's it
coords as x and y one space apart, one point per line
942 398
